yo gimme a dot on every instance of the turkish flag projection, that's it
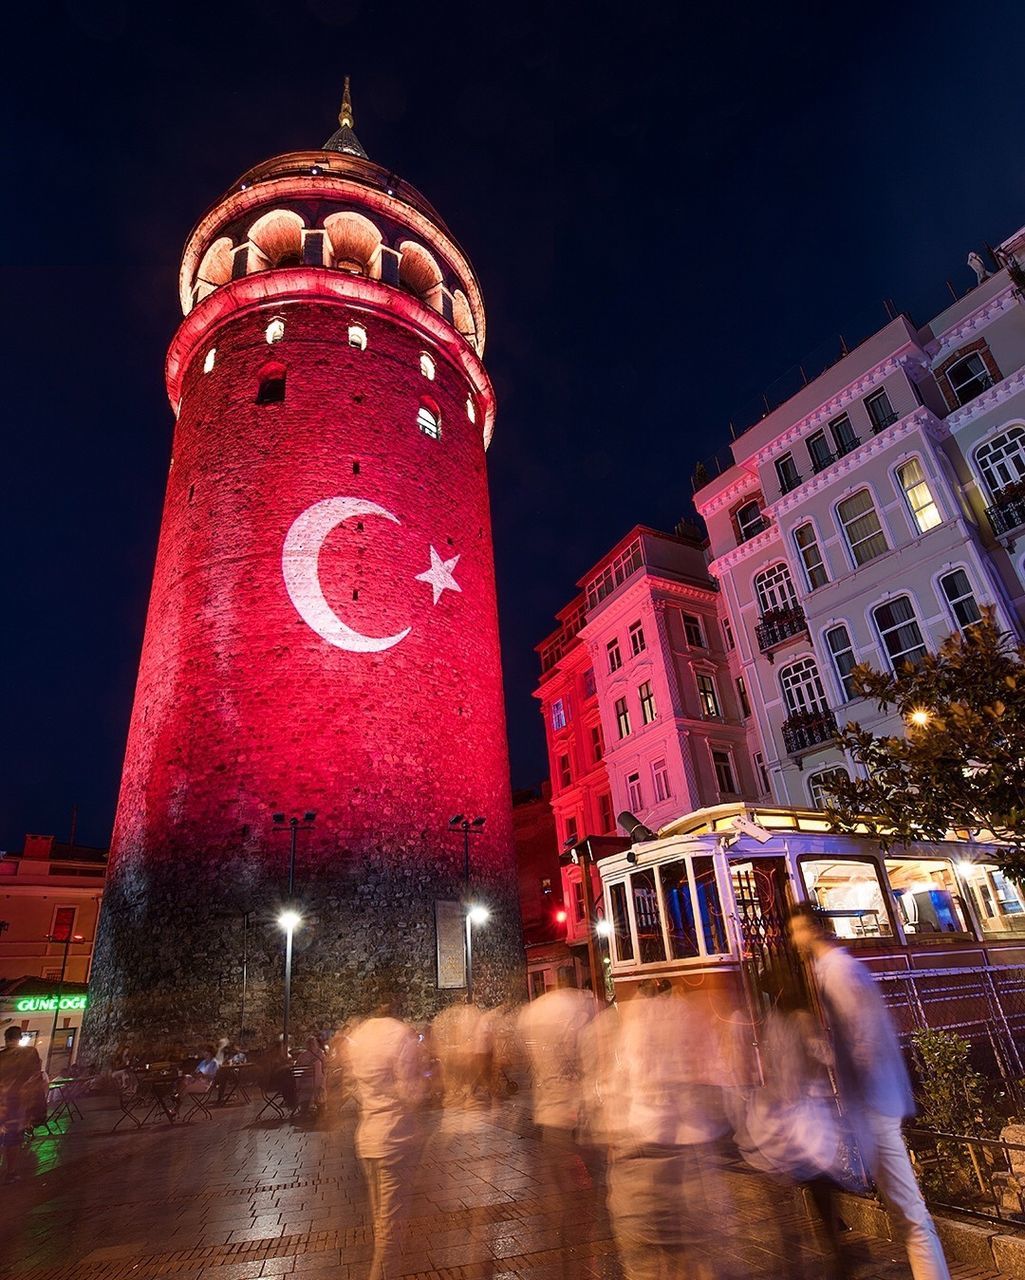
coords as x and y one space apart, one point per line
323 629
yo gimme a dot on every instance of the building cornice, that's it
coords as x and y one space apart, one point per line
910 358
730 559
920 419
991 399
748 483
950 339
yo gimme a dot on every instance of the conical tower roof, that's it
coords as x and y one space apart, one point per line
343 138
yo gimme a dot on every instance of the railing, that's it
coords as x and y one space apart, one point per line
807 729
1006 514
981 1176
779 625
882 423
847 446
787 484
823 461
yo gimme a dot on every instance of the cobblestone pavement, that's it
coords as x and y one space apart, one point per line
230 1198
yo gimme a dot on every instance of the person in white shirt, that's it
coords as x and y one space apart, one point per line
873 1082
388 1073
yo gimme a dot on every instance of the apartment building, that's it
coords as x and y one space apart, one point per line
867 517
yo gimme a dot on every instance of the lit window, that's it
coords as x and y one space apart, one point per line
928 897
848 893
634 797
692 630
597 743
429 422
558 714
996 899
762 774
677 887
708 696
622 717
648 712
961 598
750 520
724 778
621 934
968 378
822 784
802 687
357 337
919 497
811 556
660 780
471 410
427 366
275 330
842 652
1002 460
637 644
899 632
211 356
650 942
745 706
605 817
727 634
880 411
615 657
861 527
775 589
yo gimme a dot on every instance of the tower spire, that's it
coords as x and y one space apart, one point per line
343 138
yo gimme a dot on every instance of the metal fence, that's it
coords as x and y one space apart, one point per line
981 1176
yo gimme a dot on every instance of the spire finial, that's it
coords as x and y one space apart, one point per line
345 116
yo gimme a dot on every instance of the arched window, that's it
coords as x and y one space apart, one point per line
821 785
1002 459
749 519
272 384
899 632
355 244
426 366
215 269
471 412
357 337
969 377
418 272
428 419
802 687
462 317
210 360
775 589
841 650
275 240
275 331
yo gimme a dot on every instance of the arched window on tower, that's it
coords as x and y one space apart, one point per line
428 418
214 270
355 244
272 384
357 337
462 318
276 240
419 273
426 366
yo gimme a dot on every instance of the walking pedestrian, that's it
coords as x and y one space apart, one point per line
873 1082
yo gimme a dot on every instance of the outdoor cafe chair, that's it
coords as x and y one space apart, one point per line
132 1101
198 1092
273 1100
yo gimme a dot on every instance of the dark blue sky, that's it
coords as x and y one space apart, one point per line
666 212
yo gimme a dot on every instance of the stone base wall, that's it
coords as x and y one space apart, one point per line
167 974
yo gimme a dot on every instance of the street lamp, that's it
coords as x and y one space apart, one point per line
68 939
289 921
919 717
474 914
292 826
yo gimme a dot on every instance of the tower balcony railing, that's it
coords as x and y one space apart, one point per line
807 729
1008 511
778 625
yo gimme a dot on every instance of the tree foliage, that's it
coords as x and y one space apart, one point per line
960 764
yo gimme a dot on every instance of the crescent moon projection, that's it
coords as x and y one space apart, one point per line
300 564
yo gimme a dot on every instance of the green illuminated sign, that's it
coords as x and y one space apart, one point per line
48 1004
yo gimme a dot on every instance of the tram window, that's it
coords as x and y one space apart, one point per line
646 914
997 901
926 895
713 926
620 922
849 894
683 942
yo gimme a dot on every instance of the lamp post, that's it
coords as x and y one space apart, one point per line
289 921
474 915
68 939
293 826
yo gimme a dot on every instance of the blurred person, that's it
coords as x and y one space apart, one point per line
22 1098
455 1034
667 1115
311 1091
791 1128
387 1069
552 1029
873 1083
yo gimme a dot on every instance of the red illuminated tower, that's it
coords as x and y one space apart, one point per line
322 631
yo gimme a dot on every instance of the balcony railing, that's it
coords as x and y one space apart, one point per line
880 424
821 462
778 625
806 729
847 446
787 484
1007 514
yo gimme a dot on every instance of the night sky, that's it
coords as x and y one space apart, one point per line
666 211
